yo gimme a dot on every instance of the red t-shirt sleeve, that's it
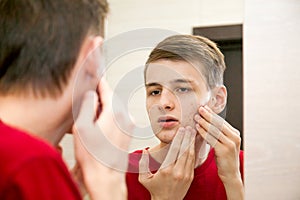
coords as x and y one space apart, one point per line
242 164
41 178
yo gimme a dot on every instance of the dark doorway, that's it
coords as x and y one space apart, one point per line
230 41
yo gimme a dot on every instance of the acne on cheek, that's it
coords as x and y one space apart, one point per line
188 112
189 107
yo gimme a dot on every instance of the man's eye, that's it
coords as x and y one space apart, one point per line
183 89
155 92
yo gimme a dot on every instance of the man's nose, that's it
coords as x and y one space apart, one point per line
167 99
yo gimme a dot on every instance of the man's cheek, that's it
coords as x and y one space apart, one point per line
188 111
153 114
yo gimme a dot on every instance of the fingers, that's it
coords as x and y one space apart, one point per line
200 149
144 172
187 149
88 109
223 138
211 140
218 121
114 108
105 92
191 159
215 129
174 148
185 142
79 149
184 166
181 156
211 117
85 119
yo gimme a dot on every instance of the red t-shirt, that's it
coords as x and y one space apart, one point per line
32 169
205 186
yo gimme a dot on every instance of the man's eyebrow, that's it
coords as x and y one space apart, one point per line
173 81
182 81
152 84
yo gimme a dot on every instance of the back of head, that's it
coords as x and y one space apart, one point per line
40 42
199 51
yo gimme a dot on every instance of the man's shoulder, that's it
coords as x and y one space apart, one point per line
25 157
18 142
18 148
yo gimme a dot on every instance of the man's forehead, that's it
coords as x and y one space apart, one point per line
159 73
165 70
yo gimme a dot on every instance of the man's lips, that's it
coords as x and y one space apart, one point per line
168 121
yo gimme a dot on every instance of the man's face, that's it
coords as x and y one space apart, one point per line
175 90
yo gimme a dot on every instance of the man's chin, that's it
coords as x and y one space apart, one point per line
166 136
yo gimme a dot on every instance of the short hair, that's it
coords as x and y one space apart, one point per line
40 41
197 50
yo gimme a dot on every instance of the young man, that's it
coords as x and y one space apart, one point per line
184 88
48 50
49 58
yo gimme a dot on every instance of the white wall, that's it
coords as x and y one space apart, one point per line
177 15
271 107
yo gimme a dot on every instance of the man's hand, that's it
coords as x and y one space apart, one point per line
176 173
101 145
226 141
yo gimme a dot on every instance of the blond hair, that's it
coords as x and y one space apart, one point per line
197 50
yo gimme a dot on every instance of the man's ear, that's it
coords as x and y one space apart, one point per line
90 55
218 99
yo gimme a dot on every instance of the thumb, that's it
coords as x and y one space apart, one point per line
88 109
144 172
78 147
105 92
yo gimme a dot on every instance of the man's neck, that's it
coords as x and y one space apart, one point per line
44 118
